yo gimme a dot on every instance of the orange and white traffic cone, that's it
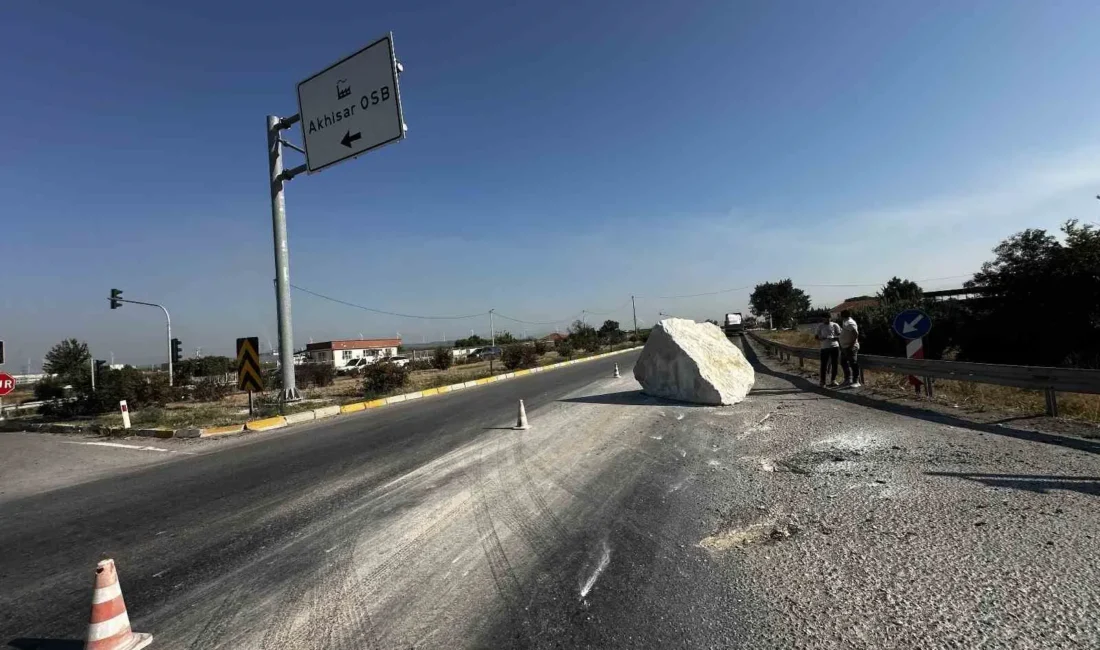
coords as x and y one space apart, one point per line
617 375
109 628
521 419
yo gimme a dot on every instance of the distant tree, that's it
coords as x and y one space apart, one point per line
712 321
855 298
504 337
1034 277
442 358
473 341
68 359
898 290
584 336
519 355
781 299
610 333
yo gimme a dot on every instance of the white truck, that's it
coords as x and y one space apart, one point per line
734 324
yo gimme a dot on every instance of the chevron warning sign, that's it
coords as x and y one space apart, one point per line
249 376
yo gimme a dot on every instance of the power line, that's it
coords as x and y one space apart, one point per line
695 295
539 322
382 311
608 313
797 284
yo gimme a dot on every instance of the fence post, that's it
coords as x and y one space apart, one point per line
1052 402
928 387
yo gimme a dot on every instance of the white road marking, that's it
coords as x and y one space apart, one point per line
123 446
604 560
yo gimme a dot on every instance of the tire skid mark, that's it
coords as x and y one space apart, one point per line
519 458
218 623
516 515
629 518
504 577
350 626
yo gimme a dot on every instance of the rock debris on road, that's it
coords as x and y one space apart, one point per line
791 520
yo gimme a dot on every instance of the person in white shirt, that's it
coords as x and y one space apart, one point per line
849 349
828 333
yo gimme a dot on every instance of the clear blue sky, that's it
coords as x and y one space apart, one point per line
560 157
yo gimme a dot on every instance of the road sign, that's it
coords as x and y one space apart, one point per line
352 106
249 376
7 383
912 324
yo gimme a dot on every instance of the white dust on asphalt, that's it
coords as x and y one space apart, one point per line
125 446
605 559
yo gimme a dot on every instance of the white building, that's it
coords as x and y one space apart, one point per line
339 353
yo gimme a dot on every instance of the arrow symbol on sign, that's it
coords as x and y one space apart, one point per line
911 326
349 138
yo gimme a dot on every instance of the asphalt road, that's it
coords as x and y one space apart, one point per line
800 518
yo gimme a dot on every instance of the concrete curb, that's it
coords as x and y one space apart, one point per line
266 424
279 422
304 416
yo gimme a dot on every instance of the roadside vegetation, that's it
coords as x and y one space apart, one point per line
956 394
205 393
1036 303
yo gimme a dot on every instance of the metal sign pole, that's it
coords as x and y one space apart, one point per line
493 341
282 253
635 310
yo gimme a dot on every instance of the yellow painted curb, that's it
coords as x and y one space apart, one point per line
520 373
417 395
430 391
265 424
442 389
352 408
482 381
375 403
221 431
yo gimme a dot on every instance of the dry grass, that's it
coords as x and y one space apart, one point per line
961 394
233 409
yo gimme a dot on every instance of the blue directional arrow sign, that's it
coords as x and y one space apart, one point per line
912 324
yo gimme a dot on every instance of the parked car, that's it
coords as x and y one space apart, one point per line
354 366
486 353
399 360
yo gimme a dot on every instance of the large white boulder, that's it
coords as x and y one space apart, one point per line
693 362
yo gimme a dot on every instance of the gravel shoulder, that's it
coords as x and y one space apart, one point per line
792 520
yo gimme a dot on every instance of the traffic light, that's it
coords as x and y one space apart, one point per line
1 352
100 365
177 350
115 295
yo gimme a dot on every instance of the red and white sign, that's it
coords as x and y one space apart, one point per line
914 349
7 383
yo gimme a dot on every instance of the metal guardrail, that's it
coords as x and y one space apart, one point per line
1049 380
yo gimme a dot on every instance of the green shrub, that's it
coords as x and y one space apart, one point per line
442 358
564 348
420 364
322 374
384 377
49 388
540 347
209 390
519 355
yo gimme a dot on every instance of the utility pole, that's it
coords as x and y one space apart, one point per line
116 298
276 178
634 309
91 362
493 341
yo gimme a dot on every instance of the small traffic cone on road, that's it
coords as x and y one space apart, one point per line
521 419
109 628
617 375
